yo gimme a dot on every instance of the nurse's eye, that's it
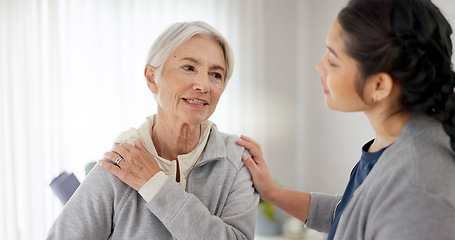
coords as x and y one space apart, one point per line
188 68
331 63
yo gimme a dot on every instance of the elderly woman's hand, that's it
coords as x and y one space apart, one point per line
131 164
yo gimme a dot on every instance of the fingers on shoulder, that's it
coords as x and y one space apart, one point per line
250 140
249 143
250 163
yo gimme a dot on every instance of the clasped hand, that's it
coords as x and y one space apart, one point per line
137 166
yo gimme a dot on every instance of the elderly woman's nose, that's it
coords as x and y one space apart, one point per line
201 83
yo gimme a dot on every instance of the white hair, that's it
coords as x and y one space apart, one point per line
177 34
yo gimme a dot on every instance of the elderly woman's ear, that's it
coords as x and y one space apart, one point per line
150 76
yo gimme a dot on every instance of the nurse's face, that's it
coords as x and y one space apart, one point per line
339 75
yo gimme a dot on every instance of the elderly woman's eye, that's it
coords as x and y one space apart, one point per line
188 68
218 76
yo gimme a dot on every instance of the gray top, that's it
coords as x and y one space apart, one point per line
219 202
409 193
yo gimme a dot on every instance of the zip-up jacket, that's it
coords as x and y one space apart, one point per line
219 202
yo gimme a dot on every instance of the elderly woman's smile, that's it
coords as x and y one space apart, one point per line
195 101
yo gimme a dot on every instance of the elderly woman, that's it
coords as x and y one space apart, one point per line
176 176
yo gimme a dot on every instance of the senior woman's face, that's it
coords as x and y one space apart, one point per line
192 80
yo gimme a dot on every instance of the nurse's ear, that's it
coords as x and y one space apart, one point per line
381 87
150 74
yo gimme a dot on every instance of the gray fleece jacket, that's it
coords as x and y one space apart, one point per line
219 203
409 193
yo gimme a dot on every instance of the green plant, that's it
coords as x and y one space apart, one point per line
268 210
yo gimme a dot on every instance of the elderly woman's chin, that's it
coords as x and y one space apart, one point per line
196 117
196 114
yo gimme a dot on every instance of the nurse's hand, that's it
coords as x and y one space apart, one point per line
131 164
262 179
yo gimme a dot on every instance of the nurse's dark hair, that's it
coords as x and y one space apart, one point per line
409 40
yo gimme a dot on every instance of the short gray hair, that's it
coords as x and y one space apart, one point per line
180 32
